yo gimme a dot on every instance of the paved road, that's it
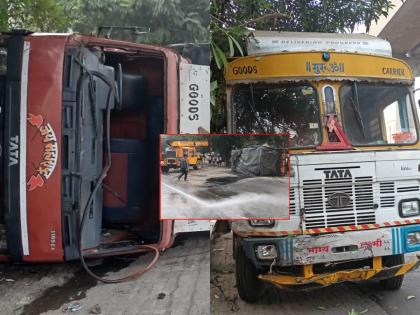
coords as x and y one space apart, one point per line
216 192
367 298
178 284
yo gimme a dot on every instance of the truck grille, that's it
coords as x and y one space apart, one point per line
292 199
387 190
320 214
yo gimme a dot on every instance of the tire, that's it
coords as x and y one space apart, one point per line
250 288
393 283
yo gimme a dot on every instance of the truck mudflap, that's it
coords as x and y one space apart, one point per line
309 280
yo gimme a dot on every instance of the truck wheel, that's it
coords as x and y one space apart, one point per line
250 288
393 283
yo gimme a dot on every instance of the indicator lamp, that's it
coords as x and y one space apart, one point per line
326 56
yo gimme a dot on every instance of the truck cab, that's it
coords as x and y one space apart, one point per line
348 108
80 122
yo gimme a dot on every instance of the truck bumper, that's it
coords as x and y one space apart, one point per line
333 247
310 280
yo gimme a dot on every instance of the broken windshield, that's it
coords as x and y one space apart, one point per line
276 108
377 114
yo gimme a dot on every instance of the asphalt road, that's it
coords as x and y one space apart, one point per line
363 298
178 284
218 193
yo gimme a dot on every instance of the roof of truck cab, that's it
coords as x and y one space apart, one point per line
263 42
90 40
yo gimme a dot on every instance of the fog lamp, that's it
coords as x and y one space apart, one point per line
409 208
266 252
413 238
265 223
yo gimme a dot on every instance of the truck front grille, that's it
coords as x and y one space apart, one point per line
320 214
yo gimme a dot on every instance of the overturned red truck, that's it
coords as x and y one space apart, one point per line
80 123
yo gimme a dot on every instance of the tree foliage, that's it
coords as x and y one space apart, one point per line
231 18
169 21
37 15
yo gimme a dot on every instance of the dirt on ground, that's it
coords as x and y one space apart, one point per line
177 284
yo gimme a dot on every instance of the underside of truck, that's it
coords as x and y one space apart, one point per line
105 153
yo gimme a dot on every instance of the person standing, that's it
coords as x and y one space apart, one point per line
184 168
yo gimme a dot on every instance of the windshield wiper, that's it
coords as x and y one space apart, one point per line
254 112
356 109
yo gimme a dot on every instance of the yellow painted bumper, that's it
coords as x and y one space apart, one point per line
309 279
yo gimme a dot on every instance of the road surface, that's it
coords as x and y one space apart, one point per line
178 284
364 298
217 192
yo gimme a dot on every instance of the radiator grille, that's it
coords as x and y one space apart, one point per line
387 191
292 199
319 213
408 189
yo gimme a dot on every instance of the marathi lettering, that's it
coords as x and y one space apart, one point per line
318 249
320 68
50 152
370 244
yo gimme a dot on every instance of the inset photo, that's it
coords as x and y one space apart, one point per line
224 176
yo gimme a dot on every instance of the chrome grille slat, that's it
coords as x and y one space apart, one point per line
387 191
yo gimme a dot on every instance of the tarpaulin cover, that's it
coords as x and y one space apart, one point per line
256 160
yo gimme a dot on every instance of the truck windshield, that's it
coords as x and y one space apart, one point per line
171 154
377 114
275 108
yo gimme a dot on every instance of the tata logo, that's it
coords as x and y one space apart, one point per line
13 150
339 200
330 174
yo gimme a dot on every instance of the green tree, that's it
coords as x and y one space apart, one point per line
230 18
36 15
169 21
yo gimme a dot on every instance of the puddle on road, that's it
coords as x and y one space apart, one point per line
73 290
214 194
224 180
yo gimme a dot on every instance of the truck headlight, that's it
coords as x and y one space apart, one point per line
409 208
413 238
263 223
266 252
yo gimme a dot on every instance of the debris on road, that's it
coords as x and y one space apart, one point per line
410 297
96 309
161 296
72 308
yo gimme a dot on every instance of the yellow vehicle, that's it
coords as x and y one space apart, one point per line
179 149
348 107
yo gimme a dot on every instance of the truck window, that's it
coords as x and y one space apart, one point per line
276 108
377 114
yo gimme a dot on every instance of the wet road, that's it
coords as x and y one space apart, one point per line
178 284
215 193
364 298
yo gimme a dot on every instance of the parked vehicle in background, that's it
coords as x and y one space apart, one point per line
178 149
